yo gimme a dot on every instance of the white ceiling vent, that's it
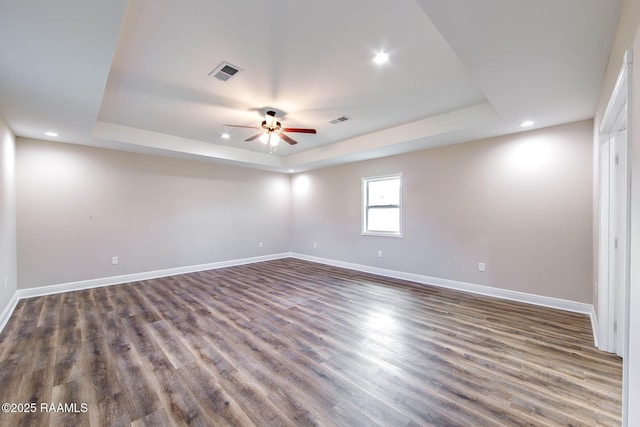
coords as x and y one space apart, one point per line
340 120
225 71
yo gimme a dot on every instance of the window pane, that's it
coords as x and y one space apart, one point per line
385 192
387 220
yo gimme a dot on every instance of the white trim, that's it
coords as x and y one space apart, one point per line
606 339
363 214
135 277
539 300
8 311
617 105
594 325
619 95
381 234
619 102
557 303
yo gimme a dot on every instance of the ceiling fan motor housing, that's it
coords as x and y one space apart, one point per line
270 124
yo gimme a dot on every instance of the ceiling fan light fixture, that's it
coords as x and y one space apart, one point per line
264 138
274 140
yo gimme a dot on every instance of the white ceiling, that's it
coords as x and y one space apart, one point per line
134 75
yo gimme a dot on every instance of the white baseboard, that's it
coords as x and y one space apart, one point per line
126 278
561 304
135 277
539 300
8 311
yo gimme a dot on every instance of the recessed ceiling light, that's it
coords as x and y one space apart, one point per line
225 136
527 123
380 57
291 170
51 134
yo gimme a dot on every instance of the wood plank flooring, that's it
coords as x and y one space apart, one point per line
292 343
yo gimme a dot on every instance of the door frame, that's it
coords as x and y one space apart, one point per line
618 104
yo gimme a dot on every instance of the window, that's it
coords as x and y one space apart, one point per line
381 211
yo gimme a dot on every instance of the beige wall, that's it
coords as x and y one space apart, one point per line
519 203
8 270
628 36
79 206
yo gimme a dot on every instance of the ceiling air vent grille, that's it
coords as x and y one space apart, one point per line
340 120
224 71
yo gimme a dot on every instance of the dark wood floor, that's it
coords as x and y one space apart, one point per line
289 342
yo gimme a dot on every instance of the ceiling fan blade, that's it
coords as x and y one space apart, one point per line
251 138
238 126
298 130
287 139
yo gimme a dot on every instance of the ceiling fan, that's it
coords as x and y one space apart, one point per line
272 131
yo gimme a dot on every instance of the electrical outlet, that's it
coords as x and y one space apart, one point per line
379 254
315 245
114 260
260 244
481 266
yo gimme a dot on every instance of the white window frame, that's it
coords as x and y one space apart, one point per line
364 207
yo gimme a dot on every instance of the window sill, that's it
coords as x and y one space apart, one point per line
381 234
